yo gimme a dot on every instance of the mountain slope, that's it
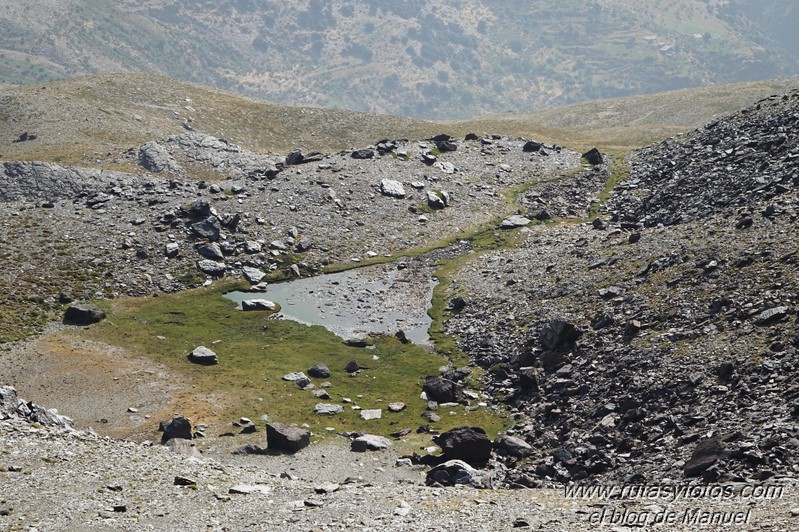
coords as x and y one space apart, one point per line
95 120
424 59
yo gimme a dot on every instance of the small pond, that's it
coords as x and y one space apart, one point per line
352 304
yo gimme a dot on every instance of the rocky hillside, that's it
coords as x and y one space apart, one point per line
412 58
634 321
659 340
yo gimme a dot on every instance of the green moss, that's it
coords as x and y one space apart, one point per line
256 350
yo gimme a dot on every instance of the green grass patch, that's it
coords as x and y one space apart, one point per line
255 350
619 171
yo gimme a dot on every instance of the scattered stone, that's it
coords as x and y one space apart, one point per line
593 156
212 268
352 367
319 371
392 188
325 409
458 473
371 414
203 355
396 407
369 442
178 427
470 444
253 275
442 390
514 221
249 489
257 304
286 438
83 315
295 376
705 454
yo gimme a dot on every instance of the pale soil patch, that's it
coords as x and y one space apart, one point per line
95 384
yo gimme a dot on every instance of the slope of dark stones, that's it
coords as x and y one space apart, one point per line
681 334
738 166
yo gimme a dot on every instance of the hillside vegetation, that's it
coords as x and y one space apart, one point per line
98 120
432 60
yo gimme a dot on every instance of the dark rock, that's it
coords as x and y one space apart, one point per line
446 145
83 315
211 251
771 316
362 154
456 304
352 367
706 453
725 370
210 228
471 136
593 156
204 356
442 390
458 473
178 427
402 337
249 428
286 438
532 146
457 375
559 335
294 157
319 371
470 444
24 137
529 377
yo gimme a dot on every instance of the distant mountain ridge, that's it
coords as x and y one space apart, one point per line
433 60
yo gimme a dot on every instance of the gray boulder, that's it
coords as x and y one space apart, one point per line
258 304
182 447
324 409
369 442
211 267
514 221
512 446
253 275
286 438
211 251
392 188
8 402
155 158
210 228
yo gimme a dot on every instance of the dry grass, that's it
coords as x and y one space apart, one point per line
94 120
